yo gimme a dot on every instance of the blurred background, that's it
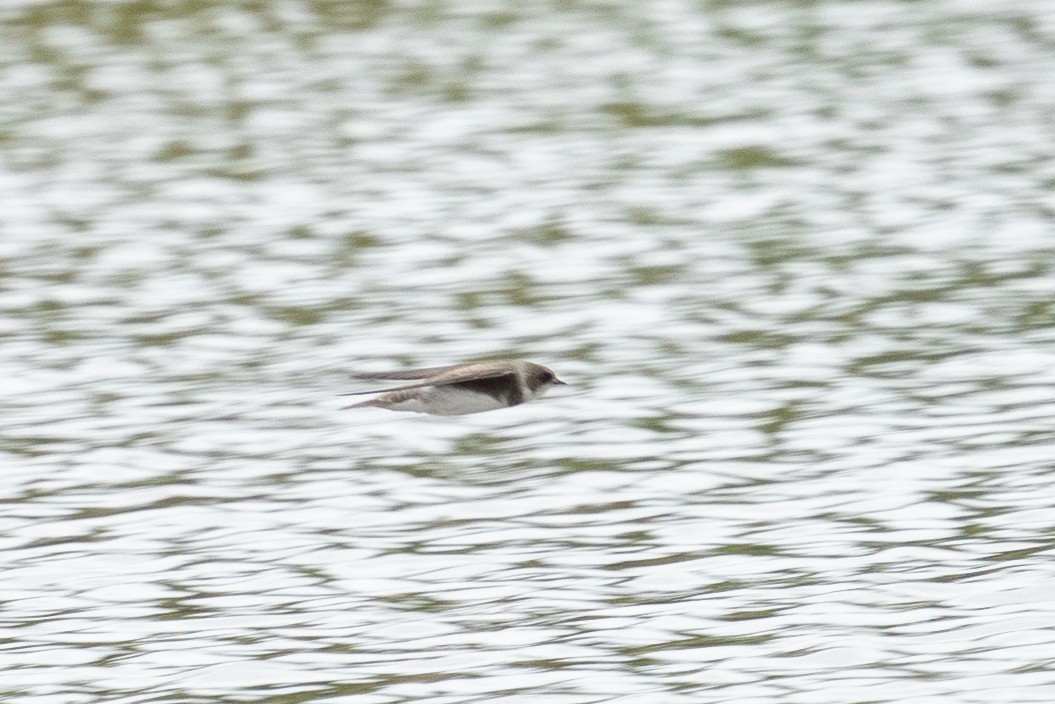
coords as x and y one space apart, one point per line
795 257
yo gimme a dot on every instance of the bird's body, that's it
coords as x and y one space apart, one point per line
459 389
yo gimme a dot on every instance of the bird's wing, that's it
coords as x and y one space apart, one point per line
442 376
406 373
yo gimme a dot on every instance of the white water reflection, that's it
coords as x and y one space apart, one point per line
795 260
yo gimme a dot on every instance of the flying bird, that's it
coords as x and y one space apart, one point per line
459 389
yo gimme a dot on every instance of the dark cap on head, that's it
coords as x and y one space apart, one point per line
538 376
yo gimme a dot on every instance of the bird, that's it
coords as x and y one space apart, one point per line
460 389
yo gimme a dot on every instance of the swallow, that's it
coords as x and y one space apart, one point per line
460 389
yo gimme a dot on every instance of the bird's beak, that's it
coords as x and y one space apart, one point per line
558 381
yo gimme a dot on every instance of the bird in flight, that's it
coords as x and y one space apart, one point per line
458 389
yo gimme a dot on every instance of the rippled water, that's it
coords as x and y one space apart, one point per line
797 260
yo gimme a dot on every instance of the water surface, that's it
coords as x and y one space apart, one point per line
795 258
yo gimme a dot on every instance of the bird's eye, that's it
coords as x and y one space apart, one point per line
546 376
